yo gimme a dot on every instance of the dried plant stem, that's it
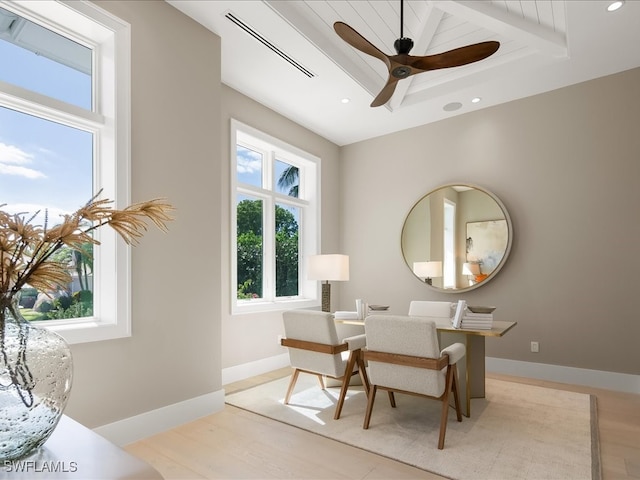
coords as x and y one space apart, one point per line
26 250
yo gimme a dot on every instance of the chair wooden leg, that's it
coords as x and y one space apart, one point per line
353 358
321 381
292 383
392 399
372 397
363 374
456 397
445 407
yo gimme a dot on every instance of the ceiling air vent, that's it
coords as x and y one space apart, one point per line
230 16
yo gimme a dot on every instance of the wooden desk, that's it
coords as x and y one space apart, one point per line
471 372
74 451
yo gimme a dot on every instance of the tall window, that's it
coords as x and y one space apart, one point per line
275 222
64 136
449 267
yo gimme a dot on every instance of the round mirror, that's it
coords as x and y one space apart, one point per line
457 237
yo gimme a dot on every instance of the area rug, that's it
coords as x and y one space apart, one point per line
516 432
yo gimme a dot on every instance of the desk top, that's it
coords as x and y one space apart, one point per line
498 329
76 452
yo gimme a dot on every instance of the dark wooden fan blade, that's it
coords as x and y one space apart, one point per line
353 38
456 57
386 93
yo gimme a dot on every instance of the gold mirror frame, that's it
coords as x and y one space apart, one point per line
477 250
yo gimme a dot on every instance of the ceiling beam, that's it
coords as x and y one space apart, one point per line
510 26
297 19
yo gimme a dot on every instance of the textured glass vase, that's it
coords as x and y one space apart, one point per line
35 381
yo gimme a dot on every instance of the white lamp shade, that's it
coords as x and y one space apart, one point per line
470 268
427 269
333 267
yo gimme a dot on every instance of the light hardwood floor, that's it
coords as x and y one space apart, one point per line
235 444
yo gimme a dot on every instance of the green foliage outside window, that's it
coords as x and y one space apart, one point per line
286 253
63 304
250 251
249 256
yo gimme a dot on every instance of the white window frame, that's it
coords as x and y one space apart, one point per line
309 222
109 122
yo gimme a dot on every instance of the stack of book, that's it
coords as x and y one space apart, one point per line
476 321
347 316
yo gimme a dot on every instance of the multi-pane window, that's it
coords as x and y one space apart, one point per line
64 131
275 213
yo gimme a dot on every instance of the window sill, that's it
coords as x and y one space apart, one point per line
85 331
257 307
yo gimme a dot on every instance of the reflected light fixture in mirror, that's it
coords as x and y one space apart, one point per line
470 269
328 268
427 270
473 269
482 235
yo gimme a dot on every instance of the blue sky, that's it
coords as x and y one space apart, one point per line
249 166
43 165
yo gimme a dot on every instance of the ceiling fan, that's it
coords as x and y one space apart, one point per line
404 65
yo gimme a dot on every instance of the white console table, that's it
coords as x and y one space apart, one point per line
76 452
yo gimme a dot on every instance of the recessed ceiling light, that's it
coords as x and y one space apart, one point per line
345 100
451 107
476 100
615 6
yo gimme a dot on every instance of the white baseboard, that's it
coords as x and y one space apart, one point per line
621 382
251 369
146 424
150 423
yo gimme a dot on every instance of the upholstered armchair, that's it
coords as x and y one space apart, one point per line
404 357
429 308
314 348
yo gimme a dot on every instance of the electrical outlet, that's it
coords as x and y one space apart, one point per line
535 347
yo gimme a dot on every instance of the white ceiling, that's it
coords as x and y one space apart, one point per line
545 45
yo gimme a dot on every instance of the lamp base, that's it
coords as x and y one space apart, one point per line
326 297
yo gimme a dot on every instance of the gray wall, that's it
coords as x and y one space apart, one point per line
174 353
566 164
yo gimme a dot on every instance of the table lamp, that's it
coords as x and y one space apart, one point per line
427 270
328 268
473 269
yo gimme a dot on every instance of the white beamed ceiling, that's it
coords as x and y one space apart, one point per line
545 45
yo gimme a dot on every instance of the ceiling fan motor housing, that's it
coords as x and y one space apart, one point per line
401 72
403 45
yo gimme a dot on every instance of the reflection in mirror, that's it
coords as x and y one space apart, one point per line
457 237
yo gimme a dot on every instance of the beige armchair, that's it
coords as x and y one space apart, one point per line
314 347
429 308
404 357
